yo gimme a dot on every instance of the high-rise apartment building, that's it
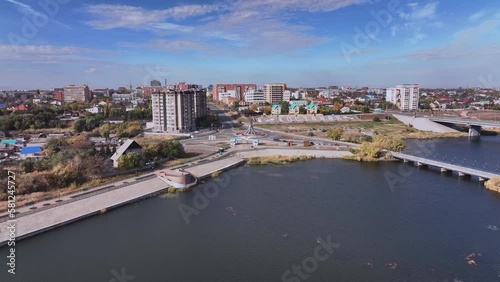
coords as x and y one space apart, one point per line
406 97
177 110
274 92
200 103
239 89
76 93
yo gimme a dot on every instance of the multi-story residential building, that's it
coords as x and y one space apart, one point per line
255 96
76 93
274 92
239 89
405 97
58 94
200 103
176 110
147 90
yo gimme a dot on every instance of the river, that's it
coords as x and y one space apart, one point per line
263 220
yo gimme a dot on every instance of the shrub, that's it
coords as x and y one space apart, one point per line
376 119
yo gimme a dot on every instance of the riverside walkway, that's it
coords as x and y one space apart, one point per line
30 222
50 218
461 170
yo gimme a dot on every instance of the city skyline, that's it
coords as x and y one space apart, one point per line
321 43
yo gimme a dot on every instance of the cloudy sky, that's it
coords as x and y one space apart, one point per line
376 43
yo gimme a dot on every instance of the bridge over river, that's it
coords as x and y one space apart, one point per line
446 167
474 124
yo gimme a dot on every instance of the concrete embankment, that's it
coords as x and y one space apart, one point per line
424 124
38 222
47 219
329 154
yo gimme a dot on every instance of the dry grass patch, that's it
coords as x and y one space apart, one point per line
493 184
276 159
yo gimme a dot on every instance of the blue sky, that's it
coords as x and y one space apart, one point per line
376 43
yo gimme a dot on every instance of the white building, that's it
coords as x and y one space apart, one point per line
299 94
95 109
406 97
227 94
255 96
287 95
76 93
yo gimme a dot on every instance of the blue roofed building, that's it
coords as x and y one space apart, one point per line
30 152
294 109
9 141
312 109
276 109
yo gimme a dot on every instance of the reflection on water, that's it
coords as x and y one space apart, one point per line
433 227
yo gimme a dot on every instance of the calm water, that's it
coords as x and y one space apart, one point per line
268 218
481 153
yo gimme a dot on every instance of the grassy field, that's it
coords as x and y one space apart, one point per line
386 128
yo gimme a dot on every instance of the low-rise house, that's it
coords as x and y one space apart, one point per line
276 110
31 152
121 97
130 146
294 109
95 110
6 148
299 102
115 120
312 109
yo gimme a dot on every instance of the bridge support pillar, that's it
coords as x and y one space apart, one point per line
420 164
444 170
474 131
406 161
461 174
482 179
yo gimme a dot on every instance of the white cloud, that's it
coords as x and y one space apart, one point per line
27 10
255 27
428 11
477 16
46 54
123 16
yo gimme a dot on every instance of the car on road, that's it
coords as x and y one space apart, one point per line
276 139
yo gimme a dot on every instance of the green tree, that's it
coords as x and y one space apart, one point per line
79 125
129 161
285 107
335 133
105 130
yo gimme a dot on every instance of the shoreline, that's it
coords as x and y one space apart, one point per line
34 222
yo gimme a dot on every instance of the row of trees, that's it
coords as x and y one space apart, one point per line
137 114
75 165
169 149
35 119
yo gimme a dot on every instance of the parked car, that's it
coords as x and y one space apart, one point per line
276 139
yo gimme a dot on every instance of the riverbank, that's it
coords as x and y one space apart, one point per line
493 184
44 216
277 160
